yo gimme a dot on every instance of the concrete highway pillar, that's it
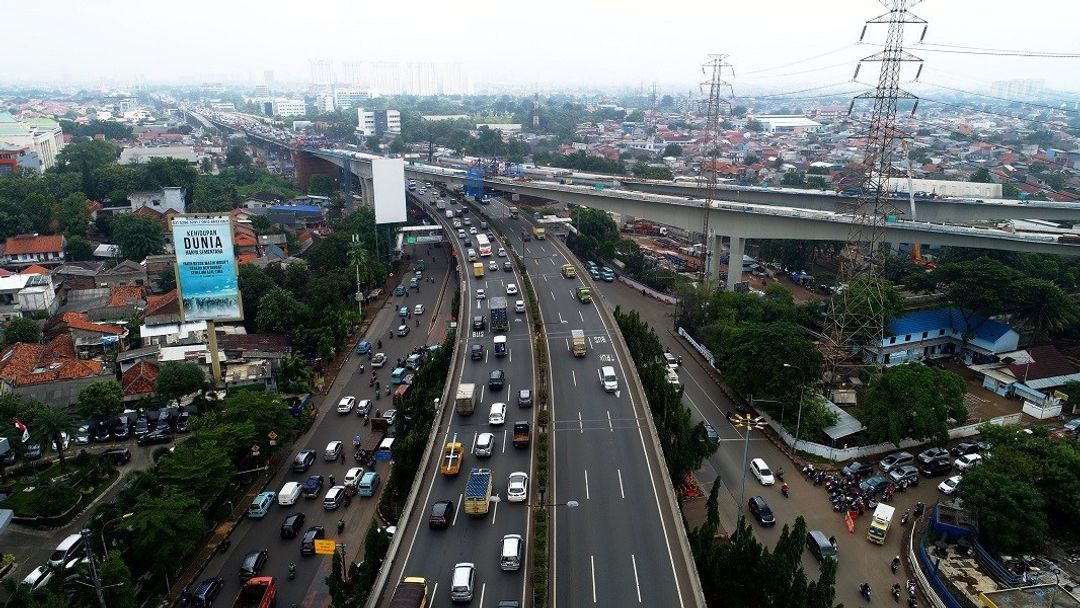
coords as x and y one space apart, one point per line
736 249
712 261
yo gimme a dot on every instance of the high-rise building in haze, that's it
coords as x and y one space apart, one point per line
322 71
386 77
268 77
1019 88
352 72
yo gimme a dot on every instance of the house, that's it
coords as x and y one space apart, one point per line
140 381
1031 374
942 331
161 323
155 266
50 372
89 338
162 200
124 274
25 294
27 249
129 358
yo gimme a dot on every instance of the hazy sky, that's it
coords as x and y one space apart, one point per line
546 42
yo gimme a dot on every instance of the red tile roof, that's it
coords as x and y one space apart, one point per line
157 304
140 379
1046 362
122 296
25 364
35 269
32 243
246 257
82 322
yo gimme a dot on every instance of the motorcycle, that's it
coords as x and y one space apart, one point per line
292 571
784 490
340 525
905 518
864 589
895 565
896 592
361 368
388 391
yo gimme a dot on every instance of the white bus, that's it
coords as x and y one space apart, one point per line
483 245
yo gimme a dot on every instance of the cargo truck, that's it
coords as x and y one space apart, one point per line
521 434
478 270
539 233
499 320
411 592
879 524
513 212
577 342
500 346
451 459
478 492
258 592
584 294
568 271
465 401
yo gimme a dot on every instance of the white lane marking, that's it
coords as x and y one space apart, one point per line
504 441
509 355
592 569
586 483
552 295
581 315
494 512
581 423
622 494
573 376
486 355
567 340
434 590
637 584
609 425
561 320
472 448
483 588
482 387
458 510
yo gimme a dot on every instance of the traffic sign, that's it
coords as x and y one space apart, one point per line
272 435
325 547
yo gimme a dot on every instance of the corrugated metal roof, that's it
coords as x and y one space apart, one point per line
946 318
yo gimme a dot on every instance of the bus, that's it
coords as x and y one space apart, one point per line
483 245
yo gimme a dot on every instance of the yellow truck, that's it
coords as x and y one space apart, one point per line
412 592
478 270
451 458
538 233
478 492
577 342
568 271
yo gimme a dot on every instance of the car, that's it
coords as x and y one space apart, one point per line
418 309
965 448
182 421
461 582
497 415
472 229
290 527
38 577
711 434
496 379
461 233
389 416
517 487
502 252
492 265
120 428
485 445
508 266
511 289
938 466
1073 426
930 454
874 485
479 323
905 473
761 511
353 475
519 306
206 592
895 460
476 352
762 472
672 361
525 397
948 487
155 437
33 451
857 470
363 347
402 330
307 544
142 426
118 456
312 487
481 294
303 461
400 290
967 461
345 406
608 380
441 515
363 407
100 431
82 434
253 564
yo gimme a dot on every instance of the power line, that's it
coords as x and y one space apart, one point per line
970 109
772 95
798 61
1026 103
1047 54
810 71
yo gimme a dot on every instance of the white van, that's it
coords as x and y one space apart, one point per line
471 255
510 553
289 493
67 549
334 497
608 379
333 451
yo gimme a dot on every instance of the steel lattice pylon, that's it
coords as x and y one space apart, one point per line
864 252
713 68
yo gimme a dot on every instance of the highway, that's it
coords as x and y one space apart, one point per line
433 553
309 588
619 546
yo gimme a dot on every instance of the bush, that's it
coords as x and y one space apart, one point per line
540 558
52 500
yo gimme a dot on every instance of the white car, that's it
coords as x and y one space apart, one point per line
363 407
511 289
38 577
968 461
481 294
353 475
517 487
461 233
762 472
345 405
378 360
502 252
485 445
418 309
948 487
519 306
472 229
671 361
497 415
493 265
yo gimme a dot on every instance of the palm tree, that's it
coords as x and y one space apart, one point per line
47 424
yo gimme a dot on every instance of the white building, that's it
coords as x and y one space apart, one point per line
350 98
26 294
788 123
377 122
43 135
159 200
289 107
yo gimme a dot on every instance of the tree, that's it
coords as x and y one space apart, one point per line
21 329
1008 190
793 178
48 423
237 157
372 143
1072 389
197 468
77 248
100 400
752 357
86 157
754 125
397 146
672 149
116 582
914 401
73 215
137 236
166 280
322 185
165 528
981 175
1009 507
871 303
279 312
738 111
176 380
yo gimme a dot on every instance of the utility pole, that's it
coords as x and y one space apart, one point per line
863 254
713 68
95 577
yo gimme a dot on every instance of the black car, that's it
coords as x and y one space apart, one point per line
525 398
496 379
8 458
182 421
929 454
965 448
442 513
478 323
857 470
100 431
875 484
118 456
476 352
303 461
142 426
206 592
162 435
290 528
761 511
307 545
312 487
937 466
120 428
253 564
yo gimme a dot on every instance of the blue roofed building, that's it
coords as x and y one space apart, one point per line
940 332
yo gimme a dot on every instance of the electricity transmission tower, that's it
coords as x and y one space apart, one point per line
863 254
714 86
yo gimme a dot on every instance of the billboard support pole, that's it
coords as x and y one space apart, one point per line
215 358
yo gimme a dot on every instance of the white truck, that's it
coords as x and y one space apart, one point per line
465 401
879 524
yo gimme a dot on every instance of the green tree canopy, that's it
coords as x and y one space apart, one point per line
914 401
869 304
165 528
237 156
47 423
78 248
177 379
22 329
197 468
137 236
672 149
752 358
85 157
322 185
100 400
982 175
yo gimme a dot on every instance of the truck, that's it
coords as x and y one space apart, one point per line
539 233
513 212
465 401
577 342
451 458
522 434
879 524
258 592
584 294
411 592
478 270
568 271
500 346
478 492
499 320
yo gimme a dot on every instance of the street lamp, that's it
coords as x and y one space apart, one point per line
104 546
798 422
750 423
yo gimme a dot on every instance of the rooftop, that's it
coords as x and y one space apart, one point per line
946 318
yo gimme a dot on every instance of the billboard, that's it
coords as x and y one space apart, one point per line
206 268
388 179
